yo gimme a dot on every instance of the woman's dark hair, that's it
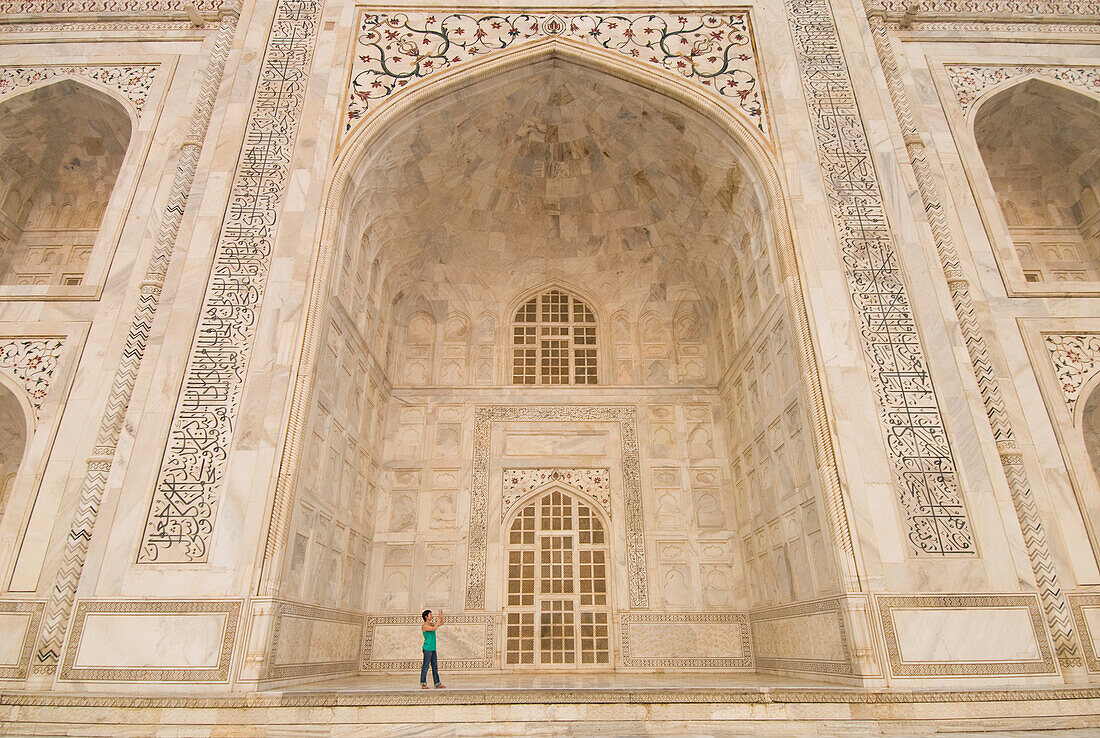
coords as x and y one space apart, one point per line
424 615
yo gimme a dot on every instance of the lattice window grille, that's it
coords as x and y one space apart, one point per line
554 341
557 591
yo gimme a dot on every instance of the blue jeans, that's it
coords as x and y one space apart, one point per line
429 658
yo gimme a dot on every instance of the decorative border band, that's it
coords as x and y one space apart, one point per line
787 612
308 612
1077 605
887 604
626 416
34 610
490 621
219 673
740 618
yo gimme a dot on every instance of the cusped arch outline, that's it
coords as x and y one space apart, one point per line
89 84
741 137
996 90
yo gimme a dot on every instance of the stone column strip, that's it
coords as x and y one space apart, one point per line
184 504
122 388
919 450
1055 606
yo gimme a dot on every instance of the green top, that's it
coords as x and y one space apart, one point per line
429 640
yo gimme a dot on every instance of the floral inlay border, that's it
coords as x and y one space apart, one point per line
132 80
970 81
1075 358
31 362
518 483
394 50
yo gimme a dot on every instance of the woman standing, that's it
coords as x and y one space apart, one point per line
428 629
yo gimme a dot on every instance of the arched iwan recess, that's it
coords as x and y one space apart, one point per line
1040 143
15 429
61 148
550 164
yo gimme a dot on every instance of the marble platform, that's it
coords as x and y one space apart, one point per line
548 704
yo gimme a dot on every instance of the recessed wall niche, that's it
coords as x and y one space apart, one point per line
61 149
1040 144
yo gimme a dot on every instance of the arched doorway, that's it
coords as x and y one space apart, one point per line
557 611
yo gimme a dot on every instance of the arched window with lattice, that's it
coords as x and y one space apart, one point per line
554 341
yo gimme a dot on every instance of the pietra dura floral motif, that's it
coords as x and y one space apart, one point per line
395 50
518 483
1075 358
133 81
32 362
970 82
931 503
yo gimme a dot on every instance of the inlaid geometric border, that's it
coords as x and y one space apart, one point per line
297 610
1077 603
742 619
919 449
395 49
129 7
991 8
485 416
219 673
34 608
887 604
788 612
970 81
489 620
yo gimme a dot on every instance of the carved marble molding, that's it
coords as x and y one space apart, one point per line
970 82
285 702
283 611
231 609
32 610
490 623
1078 603
394 50
31 363
518 483
997 7
632 658
1075 359
887 605
626 416
917 444
799 618
46 7
133 81
181 514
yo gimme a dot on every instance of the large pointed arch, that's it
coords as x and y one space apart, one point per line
66 141
1039 144
741 138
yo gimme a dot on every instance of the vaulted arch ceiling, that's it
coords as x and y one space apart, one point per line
555 170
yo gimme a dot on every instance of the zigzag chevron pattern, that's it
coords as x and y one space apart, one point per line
1055 607
59 607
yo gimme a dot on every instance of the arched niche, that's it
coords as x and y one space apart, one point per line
1040 143
1090 428
61 149
15 431
558 166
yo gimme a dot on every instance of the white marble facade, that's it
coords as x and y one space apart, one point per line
263 269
